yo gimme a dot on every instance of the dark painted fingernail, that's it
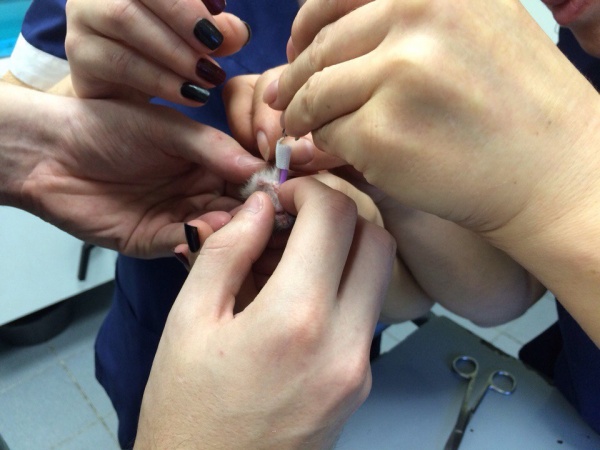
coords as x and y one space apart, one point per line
182 259
215 6
210 71
192 238
208 34
249 32
193 92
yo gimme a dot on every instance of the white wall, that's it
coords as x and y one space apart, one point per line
543 17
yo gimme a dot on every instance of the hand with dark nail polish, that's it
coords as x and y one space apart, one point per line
182 259
208 34
215 6
195 93
192 237
210 71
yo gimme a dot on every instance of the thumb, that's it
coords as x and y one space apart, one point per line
225 260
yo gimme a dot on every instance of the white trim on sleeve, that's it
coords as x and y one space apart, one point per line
36 68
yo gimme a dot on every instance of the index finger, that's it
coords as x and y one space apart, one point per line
316 14
314 259
192 21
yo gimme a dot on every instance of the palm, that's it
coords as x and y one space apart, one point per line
132 189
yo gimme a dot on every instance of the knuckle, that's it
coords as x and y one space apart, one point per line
314 53
121 61
159 84
310 103
340 204
306 326
353 374
120 13
73 44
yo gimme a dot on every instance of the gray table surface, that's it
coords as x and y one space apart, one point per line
415 399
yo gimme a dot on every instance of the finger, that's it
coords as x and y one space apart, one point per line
215 6
366 277
226 259
314 16
196 26
330 94
171 235
350 37
265 120
131 70
215 150
307 158
313 261
138 28
237 98
365 205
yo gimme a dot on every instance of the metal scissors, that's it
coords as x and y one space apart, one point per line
467 367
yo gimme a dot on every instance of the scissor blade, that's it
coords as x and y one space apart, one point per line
458 431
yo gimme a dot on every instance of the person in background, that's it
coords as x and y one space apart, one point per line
470 112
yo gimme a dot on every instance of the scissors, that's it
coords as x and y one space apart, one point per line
467 367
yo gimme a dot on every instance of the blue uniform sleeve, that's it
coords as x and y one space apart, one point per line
45 26
39 58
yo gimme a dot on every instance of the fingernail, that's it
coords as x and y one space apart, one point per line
182 259
254 203
208 34
270 94
290 51
210 72
249 32
263 145
215 6
193 92
248 160
192 237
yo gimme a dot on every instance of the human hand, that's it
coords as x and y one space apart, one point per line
257 126
140 49
464 110
292 367
119 174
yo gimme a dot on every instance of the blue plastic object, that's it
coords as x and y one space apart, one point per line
11 17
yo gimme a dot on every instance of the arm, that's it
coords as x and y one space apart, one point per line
119 175
309 345
510 154
460 270
438 261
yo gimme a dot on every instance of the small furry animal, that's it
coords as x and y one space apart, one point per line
267 180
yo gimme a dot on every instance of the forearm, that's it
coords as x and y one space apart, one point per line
460 270
557 236
405 299
27 134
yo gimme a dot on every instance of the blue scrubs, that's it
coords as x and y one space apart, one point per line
146 289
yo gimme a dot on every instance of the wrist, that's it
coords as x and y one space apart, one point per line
557 235
28 134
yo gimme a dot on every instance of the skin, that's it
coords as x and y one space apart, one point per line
207 352
141 65
144 171
125 174
510 154
438 260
